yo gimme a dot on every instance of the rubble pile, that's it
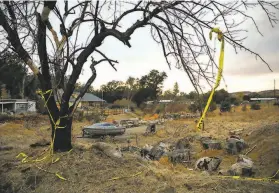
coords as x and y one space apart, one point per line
235 145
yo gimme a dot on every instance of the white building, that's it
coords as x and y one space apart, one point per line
17 105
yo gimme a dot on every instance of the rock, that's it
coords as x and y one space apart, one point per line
243 167
108 149
211 144
151 128
40 143
6 148
208 163
158 151
235 145
168 190
183 143
145 150
180 156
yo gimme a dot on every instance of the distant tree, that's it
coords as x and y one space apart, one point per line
240 96
149 86
220 95
212 106
143 94
154 81
4 92
225 105
246 97
132 86
90 89
254 95
168 94
13 74
113 90
175 89
193 95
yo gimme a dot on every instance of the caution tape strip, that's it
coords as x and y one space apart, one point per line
26 158
219 75
269 179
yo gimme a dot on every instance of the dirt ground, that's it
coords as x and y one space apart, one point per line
88 170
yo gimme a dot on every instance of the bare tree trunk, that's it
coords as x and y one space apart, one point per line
63 135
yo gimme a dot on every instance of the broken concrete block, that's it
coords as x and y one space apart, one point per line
208 163
243 167
211 144
235 145
180 156
158 151
183 143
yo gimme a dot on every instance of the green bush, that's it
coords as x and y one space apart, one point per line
255 106
212 107
95 117
193 107
225 106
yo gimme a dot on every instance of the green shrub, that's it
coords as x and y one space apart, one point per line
95 117
212 107
255 106
225 106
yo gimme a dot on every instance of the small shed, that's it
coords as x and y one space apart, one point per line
17 105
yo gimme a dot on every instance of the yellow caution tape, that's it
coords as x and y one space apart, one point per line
56 126
269 179
219 75
60 177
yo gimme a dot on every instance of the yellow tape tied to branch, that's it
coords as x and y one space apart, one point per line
219 75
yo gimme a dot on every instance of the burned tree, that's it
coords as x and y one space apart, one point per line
30 29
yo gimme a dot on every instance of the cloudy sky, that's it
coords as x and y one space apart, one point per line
242 72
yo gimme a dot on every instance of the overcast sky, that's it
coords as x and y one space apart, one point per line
242 72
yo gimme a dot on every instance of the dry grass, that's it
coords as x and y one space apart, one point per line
88 170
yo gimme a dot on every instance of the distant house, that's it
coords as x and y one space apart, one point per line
88 100
149 102
165 101
263 99
17 106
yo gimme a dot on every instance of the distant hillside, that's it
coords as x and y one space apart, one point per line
264 93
